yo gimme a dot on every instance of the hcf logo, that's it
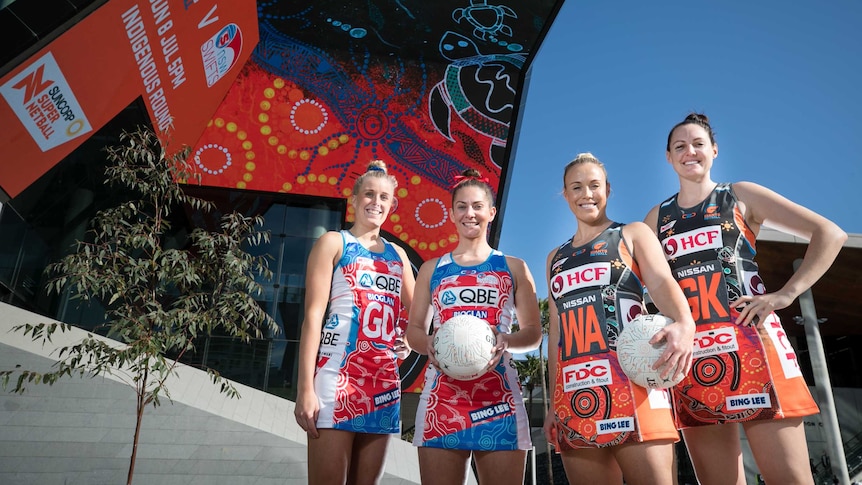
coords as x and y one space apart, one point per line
594 274
692 241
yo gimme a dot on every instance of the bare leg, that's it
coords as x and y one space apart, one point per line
716 454
329 457
501 467
368 458
780 450
592 466
439 466
649 463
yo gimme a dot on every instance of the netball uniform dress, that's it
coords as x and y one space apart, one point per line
739 373
356 379
597 290
486 413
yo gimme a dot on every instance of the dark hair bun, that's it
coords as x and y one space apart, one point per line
471 173
699 118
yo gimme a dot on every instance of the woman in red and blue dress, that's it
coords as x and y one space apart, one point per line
745 370
484 417
349 389
605 427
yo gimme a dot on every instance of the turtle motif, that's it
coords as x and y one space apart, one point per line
487 20
480 89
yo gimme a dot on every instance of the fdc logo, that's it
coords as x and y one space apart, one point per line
717 341
705 341
588 374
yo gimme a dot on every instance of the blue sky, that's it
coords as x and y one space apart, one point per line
779 80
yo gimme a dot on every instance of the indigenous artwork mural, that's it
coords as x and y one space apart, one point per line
292 97
431 88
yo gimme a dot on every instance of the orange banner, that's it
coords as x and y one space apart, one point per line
180 56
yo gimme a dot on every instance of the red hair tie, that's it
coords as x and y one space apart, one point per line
462 178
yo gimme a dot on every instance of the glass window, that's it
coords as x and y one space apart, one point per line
294 223
43 223
25 23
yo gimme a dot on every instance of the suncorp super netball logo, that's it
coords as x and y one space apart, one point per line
45 104
221 52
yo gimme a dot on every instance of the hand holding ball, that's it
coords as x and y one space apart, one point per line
463 346
637 356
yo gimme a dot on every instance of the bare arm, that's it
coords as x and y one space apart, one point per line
651 220
408 283
421 312
553 342
667 296
765 207
529 336
318 282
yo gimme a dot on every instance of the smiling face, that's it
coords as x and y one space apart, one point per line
472 211
586 190
373 201
691 152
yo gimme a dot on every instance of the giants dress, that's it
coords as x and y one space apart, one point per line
486 413
356 379
597 290
739 373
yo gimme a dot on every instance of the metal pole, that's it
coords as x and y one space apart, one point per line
266 364
533 466
822 384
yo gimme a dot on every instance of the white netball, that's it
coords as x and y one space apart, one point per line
637 356
463 345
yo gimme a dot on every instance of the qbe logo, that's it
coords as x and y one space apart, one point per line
484 296
692 241
43 101
381 282
595 274
588 374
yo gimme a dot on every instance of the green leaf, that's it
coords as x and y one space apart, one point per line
158 299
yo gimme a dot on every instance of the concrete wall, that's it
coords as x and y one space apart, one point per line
80 431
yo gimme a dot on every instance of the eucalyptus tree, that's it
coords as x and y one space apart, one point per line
158 299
